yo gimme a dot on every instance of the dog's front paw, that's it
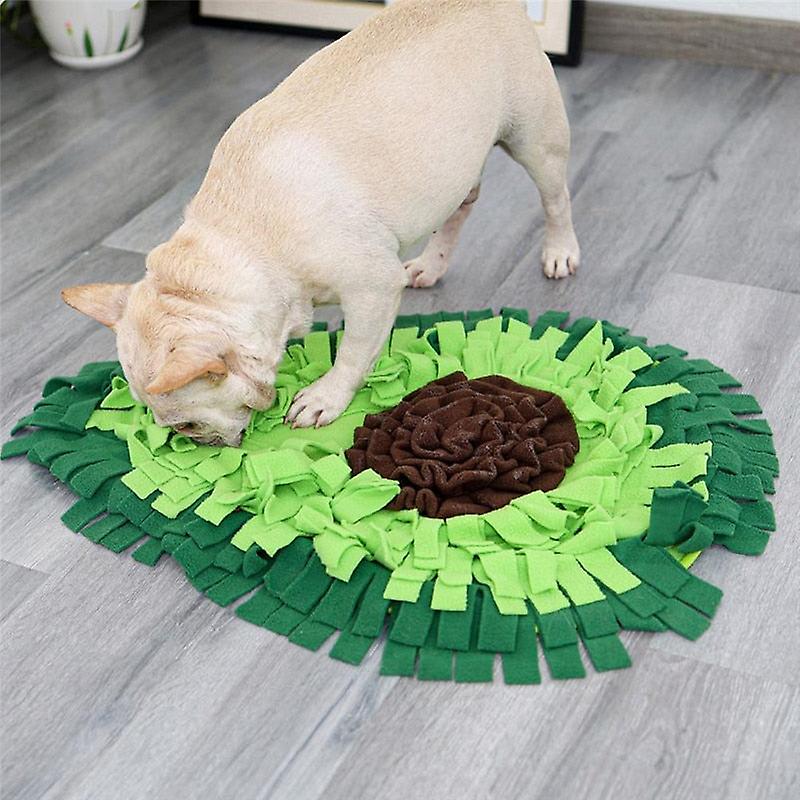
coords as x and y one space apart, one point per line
318 404
561 255
424 271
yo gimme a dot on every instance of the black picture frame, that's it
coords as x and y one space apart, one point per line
572 58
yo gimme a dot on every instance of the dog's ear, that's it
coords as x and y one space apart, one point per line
104 302
182 367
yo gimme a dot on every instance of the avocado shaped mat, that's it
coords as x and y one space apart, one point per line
496 487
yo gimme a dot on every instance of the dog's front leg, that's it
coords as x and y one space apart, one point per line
368 319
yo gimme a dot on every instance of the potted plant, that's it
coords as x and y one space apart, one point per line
90 34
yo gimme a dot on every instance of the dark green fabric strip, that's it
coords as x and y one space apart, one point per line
374 607
642 600
497 633
97 531
519 314
123 537
557 628
284 620
149 553
257 609
682 619
48 448
759 514
288 564
550 319
351 648
156 525
474 666
231 588
522 666
205 534
746 540
311 635
652 565
229 558
398 659
171 542
414 620
66 465
308 588
455 627
434 663
700 594
21 445
82 512
207 578
564 662
193 559
255 561
607 653
596 619
122 500
577 330
88 480
339 604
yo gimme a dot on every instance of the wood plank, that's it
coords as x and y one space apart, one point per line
144 688
16 585
714 38
86 172
668 728
741 214
157 222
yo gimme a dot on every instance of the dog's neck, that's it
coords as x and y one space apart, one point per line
252 305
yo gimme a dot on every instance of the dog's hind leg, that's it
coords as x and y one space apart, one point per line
539 141
426 269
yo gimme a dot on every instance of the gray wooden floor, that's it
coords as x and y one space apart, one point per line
119 681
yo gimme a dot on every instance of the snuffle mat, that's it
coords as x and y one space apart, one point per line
559 549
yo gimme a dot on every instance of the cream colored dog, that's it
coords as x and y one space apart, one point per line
373 143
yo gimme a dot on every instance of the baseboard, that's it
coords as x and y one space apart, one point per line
716 39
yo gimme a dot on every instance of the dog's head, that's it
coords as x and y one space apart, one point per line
180 355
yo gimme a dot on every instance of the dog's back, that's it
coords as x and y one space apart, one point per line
386 107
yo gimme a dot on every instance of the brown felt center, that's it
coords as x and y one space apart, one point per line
460 446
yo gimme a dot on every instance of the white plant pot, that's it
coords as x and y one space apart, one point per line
90 34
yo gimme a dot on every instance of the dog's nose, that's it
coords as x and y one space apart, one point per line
225 441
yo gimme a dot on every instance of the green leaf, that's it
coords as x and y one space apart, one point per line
87 43
123 40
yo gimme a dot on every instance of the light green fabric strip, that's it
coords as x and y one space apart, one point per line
452 338
579 586
541 570
603 566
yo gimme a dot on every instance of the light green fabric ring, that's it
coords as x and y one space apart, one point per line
550 548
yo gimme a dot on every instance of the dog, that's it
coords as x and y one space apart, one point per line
373 143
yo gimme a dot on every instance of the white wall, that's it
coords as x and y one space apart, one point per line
772 9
